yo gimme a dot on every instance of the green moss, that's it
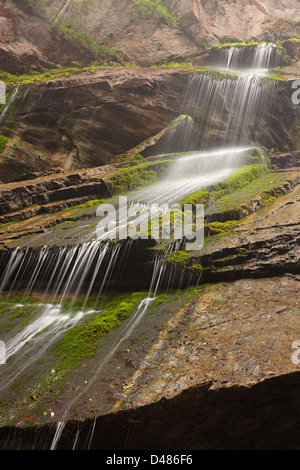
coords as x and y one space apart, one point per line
217 74
171 65
3 142
16 308
5 225
36 77
81 341
197 268
134 177
270 200
241 44
83 41
86 205
178 257
154 9
295 40
276 75
221 227
242 177
88 227
268 187
137 157
201 196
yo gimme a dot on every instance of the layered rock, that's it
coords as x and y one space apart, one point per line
28 42
84 120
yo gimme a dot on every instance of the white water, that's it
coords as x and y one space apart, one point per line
229 109
70 266
259 57
125 332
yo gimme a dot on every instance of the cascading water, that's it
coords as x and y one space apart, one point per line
65 272
259 57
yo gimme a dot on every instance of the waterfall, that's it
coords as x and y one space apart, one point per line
257 57
70 267
126 331
227 106
227 111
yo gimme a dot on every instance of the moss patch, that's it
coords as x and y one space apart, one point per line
81 341
3 142
221 227
178 257
241 178
267 187
134 177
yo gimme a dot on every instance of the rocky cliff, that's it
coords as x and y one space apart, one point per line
213 362
29 40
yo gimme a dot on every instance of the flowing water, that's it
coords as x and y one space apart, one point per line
65 272
10 103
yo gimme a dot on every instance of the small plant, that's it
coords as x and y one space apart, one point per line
163 9
136 157
3 142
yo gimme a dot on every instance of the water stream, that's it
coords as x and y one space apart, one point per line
62 273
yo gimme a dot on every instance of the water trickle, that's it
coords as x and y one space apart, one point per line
10 103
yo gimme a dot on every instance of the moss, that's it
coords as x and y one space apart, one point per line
6 224
270 200
3 142
221 227
197 267
154 9
137 157
295 40
237 204
89 227
84 42
217 74
242 177
275 75
171 65
201 196
178 121
178 257
16 308
36 77
127 179
85 205
81 341
241 44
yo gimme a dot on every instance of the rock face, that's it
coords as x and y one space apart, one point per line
85 120
202 22
214 362
27 42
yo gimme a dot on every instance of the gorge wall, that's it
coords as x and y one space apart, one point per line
28 41
147 345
